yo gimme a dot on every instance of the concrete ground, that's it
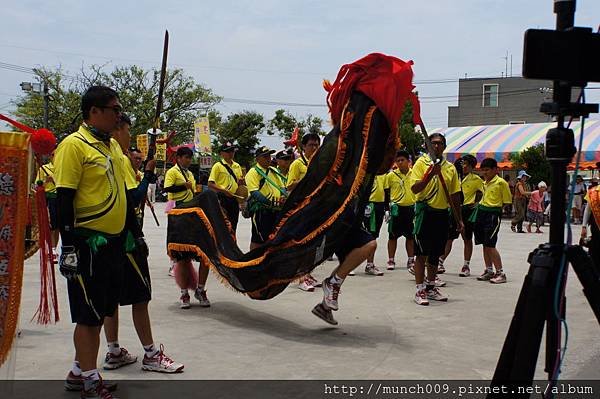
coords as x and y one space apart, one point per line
381 334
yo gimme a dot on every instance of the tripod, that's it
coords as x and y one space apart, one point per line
541 299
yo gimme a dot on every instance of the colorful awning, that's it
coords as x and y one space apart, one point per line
499 141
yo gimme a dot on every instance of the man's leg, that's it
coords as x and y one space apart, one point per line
392 245
87 344
500 276
447 250
141 322
200 293
489 271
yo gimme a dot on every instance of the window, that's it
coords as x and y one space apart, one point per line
490 95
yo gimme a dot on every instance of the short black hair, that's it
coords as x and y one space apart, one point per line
96 96
310 136
434 135
403 153
184 152
489 163
470 159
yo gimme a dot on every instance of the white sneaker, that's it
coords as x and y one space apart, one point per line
373 270
161 363
306 286
436 295
438 282
184 301
200 295
421 298
391 265
330 294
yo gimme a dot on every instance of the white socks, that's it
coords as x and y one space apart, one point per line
150 350
335 279
76 370
114 348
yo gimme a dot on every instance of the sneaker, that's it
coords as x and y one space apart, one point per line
486 276
185 301
112 362
352 273
391 265
306 286
161 363
498 278
373 271
411 269
324 314
441 269
313 281
97 390
200 295
465 271
438 282
436 295
513 228
330 294
75 383
421 298
171 271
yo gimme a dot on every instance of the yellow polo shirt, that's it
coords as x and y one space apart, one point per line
222 178
470 185
433 194
95 170
44 172
130 175
378 189
496 193
175 177
297 171
400 187
253 179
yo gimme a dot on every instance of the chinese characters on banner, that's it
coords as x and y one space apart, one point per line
13 218
161 149
202 143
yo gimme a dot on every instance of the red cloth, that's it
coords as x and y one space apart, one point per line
385 79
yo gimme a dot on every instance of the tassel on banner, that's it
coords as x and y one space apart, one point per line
48 305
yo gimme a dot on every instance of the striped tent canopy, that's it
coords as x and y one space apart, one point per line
499 141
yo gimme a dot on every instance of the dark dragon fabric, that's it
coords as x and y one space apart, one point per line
326 203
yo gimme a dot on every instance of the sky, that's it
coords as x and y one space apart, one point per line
279 51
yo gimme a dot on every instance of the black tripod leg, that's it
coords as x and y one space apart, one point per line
589 276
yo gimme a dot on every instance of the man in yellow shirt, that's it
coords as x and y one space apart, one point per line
225 178
496 194
180 183
267 194
431 216
45 177
373 219
284 159
310 145
136 284
402 209
472 191
93 216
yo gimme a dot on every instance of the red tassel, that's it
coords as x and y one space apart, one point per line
186 275
48 305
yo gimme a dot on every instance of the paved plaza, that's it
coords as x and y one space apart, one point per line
382 333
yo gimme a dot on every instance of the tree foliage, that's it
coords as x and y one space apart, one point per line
533 160
243 128
184 99
410 139
283 123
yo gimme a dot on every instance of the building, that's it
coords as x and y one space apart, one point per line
500 101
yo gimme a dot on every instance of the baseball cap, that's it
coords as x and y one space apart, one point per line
228 145
264 150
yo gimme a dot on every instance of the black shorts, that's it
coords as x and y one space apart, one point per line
431 240
136 286
95 294
231 208
486 228
357 237
467 211
379 210
263 223
52 212
403 224
453 234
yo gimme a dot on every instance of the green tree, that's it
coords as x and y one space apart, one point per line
284 123
243 128
410 139
533 160
184 100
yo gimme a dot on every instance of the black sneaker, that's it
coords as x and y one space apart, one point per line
324 314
